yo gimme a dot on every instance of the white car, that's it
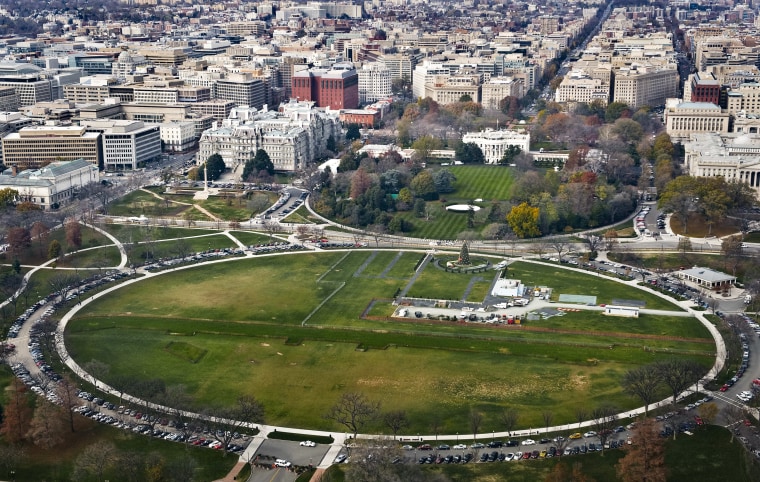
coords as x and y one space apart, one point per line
589 434
307 443
518 456
529 441
509 457
459 447
340 458
282 463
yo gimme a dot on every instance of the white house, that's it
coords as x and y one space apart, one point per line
495 143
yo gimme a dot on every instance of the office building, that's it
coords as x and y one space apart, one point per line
337 88
34 147
242 89
685 118
734 156
50 186
28 82
374 83
645 85
126 145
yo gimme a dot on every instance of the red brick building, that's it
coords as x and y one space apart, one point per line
364 117
337 88
704 90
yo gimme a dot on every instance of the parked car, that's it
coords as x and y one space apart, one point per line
307 443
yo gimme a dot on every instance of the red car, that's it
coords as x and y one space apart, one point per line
698 419
425 447
747 423
724 388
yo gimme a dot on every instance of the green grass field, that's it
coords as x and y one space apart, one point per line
140 202
235 332
490 183
37 253
132 233
564 281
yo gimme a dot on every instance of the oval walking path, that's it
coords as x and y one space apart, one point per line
340 439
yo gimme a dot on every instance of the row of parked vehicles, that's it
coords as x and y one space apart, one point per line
169 262
46 383
496 456
147 424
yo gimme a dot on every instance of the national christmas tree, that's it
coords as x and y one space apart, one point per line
464 254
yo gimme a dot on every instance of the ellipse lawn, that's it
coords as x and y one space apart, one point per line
288 330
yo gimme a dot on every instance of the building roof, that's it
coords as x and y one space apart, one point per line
706 274
44 176
699 105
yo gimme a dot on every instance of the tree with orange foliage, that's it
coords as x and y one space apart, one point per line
645 460
17 414
360 182
74 234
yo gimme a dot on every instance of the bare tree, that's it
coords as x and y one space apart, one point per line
476 420
272 227
95 460
604 419
67 392
377 231
436 425
63 282
179 401
97 369
396 420
511 239
226 421
593 242
560 245
548 416
581 414
375 460
643 382
678 374
508 418
733 415
258 203
353 410
181 247
540 247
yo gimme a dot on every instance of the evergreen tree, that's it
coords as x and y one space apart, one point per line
464 254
